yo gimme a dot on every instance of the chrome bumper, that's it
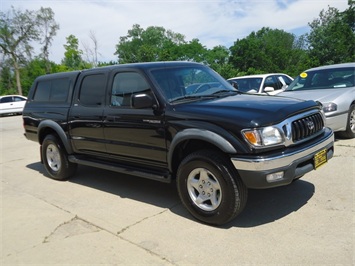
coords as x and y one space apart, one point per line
280 161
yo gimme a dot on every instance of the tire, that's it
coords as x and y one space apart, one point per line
210 188
55 159
349 133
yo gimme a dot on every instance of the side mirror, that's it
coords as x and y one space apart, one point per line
142 100
269 89
233 83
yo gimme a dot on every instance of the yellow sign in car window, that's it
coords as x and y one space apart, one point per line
303 75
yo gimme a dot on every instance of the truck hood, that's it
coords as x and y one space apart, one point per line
248 110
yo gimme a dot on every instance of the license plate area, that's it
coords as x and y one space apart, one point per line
320 158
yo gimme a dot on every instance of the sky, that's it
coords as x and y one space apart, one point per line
213 22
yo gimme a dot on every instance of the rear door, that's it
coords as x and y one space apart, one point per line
6 104
86 114
18 103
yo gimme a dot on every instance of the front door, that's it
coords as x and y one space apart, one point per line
133 135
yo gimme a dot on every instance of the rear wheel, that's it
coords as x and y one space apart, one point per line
55 159
210 188
349 133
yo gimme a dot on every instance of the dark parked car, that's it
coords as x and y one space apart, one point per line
176 122
334 87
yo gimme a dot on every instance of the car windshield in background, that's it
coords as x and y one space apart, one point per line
182 83
324 79
248 84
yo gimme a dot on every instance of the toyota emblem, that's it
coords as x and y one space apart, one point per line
310 125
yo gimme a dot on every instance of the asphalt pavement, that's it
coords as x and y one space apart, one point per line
104 218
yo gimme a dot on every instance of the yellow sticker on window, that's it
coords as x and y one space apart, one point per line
303 75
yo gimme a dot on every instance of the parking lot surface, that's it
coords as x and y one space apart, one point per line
100 217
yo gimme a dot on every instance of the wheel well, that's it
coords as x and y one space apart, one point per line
186 147
48 131
44 132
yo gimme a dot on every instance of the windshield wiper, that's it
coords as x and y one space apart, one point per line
193 97
223 91
204 96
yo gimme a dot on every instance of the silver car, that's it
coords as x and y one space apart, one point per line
334 87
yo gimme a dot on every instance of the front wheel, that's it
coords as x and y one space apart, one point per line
210 188
349 133
55 159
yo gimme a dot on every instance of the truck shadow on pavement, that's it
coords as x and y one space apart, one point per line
268 205
263 206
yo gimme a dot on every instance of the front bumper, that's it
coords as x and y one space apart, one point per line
338 122
293 162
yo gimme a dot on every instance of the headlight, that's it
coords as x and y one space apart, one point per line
329 107
263 137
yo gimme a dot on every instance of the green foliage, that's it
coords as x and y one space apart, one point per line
349 15
18 30
330 40
152 44
49 28
7 81
73 55
217 59
32 70
265 51
110 63
332 37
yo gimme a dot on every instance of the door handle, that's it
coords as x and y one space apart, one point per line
112 118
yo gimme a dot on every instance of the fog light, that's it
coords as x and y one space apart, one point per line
274 177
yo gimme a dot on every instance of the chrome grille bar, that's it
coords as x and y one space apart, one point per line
306 126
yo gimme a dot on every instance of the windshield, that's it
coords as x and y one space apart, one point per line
250 85
324 79
190 82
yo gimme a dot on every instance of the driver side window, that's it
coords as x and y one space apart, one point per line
125 85
271 82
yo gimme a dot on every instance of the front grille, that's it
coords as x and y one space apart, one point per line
306 126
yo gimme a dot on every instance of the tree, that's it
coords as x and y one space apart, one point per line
218 59
7 82
267 50
48 27
332 38
72 55
193 51
17 31
158 44
91 53
35 68
349 15
152 44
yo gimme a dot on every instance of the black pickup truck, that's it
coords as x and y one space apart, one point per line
176 121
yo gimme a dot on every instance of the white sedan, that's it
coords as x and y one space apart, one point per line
12 104
270 84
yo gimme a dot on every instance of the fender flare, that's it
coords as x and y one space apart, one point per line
199 134
59 130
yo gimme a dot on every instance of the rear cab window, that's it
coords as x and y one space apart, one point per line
53 88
